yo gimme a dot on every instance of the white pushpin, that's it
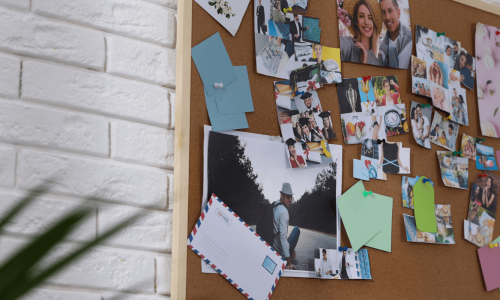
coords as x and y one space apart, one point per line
218 85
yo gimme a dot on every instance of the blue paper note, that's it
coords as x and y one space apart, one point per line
213 63
237 97
224 122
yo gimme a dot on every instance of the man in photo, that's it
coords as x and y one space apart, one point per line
451 138
284 244
306 132
426 126
296 29
344 272
277 15
325 268
466 72
396 46
308 100
315 130
456 49
261 18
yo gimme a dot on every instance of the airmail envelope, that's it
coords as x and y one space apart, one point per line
235 251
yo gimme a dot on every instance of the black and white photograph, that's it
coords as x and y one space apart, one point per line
250 173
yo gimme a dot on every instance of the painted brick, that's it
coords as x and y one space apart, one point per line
95 93
27 35
99 268
76 176
43 213
172 110
46 294
141 61
133 18
7 166
24 123
170 205
142 144
23 5
10 72
121 296
153 231
163 275
168 3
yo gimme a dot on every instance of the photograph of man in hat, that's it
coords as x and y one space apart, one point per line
284 244
309 136
297 161
305 104
395 48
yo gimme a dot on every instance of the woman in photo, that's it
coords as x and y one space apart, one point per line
488 200
415 125
461 108
366 25
390 160
389 98
435 74
442 139
470 150
327 125
466 63
297 131
435 134
476 195
296 161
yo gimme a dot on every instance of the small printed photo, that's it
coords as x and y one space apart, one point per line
386 90
312 32
366 169
490 188
279 30
354 265
287 117
324 125
370 149
229 15
475 234
306 129
444 132
425 42
421 123
308 102
426 237
419 68
354 128
468 147
407 184
421 87
329 58
454 170
459 111
479 206
359 171
444 234
273 55
325 266
394 159
395 119
466 64
316 153
376 25
262 10
376 127
454 78
440 97
485 158
451 51
438 73
278 12
349 96
282 88
305 79
295 154
368 103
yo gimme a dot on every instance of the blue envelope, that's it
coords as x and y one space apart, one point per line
237 97
213 64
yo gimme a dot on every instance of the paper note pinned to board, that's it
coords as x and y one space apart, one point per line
237 97
489 258
423 201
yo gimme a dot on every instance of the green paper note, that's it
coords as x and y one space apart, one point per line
356 211
382 209
423 201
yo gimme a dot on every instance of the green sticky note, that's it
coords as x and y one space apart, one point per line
423 202
356 211
382 209
497 240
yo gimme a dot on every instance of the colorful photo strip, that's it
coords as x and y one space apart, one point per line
444 234
329 58
346 264
444 132
371 108
376 25
485 158
468 147
488 79
420 116
478 228
454 170
407 190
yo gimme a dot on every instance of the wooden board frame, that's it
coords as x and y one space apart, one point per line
492 8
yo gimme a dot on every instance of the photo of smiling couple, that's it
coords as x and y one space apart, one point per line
375 32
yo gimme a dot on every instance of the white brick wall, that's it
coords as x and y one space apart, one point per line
86 99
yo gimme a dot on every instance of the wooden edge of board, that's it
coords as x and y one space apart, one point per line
492 8
181 152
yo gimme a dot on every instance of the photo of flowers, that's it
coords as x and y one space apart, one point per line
229 13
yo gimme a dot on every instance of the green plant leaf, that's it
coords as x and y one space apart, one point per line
496 110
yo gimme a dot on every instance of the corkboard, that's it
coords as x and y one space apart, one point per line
412 270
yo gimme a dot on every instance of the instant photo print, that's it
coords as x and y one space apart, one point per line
384 28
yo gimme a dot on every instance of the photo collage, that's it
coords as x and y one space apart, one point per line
480 222
444 132
286 41
351 265
444 234
379 159
369 30
371 108
407 184
454 170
